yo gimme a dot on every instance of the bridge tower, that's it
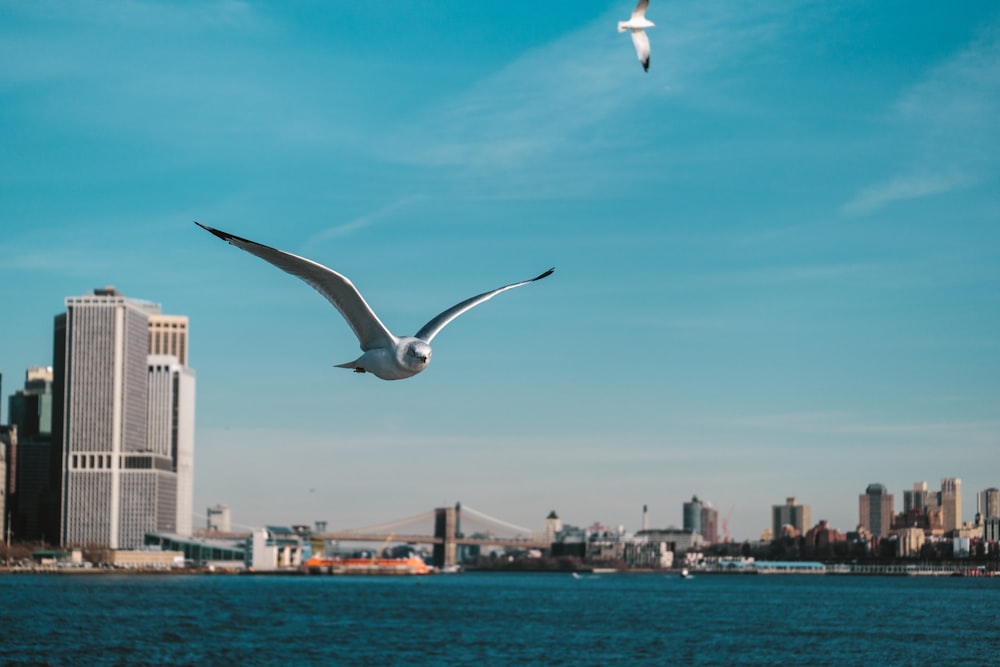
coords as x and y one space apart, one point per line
445 523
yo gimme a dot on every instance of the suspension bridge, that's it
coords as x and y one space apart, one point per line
444 528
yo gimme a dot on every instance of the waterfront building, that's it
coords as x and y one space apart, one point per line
8 435
645 553
171 430
210 552
928 520
692 516
822 537
988 503
29 461
951 503
606 548
219 519
991 531
917 498
275 548
792 515
875 510
120 424
552 527
709 522
910 542
678 540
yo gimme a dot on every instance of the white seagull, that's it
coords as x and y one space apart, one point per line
637 23
385 355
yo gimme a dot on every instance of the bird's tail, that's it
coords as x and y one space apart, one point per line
621 26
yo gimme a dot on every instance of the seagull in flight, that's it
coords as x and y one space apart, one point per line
384 355
637 23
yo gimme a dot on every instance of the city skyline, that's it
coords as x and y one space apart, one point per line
776 251
695 513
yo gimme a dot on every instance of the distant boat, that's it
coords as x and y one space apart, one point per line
685 574
576 575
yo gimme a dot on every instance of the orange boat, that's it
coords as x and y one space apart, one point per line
325 565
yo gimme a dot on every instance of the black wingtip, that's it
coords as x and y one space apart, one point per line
225 236
544 275
222 235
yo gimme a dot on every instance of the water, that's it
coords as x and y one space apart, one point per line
497 619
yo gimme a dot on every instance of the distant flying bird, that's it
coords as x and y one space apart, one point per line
385 355
637 24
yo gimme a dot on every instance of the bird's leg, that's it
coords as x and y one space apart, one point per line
359 370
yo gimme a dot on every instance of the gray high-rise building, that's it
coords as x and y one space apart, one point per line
917 499
171 430
709 522
119 425
875 510
951 504
31 407
29 460
692 515
798 517
8 441
988 503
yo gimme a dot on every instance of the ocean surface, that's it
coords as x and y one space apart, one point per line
498 619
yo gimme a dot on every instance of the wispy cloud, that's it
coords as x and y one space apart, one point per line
846 423
555 99
950 118
362 221
529 107
901 188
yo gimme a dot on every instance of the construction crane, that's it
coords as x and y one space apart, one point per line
381 549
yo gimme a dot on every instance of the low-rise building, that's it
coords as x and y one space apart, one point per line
645 553
143 558
276 548
678 541
910 542
210 552
991 530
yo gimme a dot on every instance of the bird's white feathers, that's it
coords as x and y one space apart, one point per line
637 24
388 356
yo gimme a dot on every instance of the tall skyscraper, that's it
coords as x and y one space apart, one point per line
28 471
916 499
168 334
709 522
951 503
875 510
171 429
798 517
988 503
31 407
692 515
8 441
120 427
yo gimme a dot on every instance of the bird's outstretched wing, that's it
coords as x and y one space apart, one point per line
337 289
640 9
432 328
641 41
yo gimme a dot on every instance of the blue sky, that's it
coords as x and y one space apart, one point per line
777 252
